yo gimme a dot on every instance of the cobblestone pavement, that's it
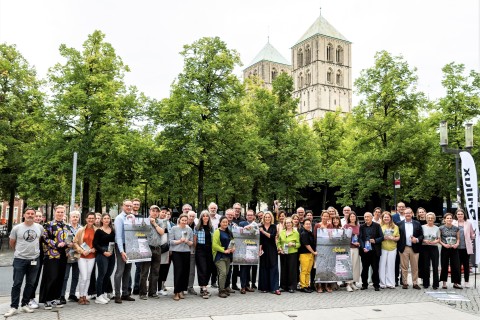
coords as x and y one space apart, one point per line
250 303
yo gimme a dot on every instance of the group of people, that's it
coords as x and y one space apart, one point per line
382 250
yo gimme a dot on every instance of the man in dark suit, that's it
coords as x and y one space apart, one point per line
409 244
370 238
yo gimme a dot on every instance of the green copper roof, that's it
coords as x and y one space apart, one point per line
269 53
323 27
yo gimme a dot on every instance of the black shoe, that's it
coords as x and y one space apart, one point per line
363 288
235 288
291 291
118 299
127 298
73 298
377 289
136 291
62 300
434 288
214 285
254 286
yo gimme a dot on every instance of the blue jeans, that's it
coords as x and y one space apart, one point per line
74 282
23 268
105 269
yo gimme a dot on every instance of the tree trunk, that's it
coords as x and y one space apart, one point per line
325 193
98 197
254 202
52 208
11 203
85 199
201 173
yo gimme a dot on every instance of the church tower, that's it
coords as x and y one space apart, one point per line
267 65
321 71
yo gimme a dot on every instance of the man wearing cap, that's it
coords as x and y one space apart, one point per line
151 269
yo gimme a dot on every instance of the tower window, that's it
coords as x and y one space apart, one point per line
274 73
300 58
339 55
330 52
339 78
329 75
308 55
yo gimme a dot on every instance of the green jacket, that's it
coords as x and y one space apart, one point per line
216 244
292 237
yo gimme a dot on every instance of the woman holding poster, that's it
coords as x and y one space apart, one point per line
386 266
465 248
288 244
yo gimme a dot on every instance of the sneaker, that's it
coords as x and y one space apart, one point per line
163 292
353 286
127 298
100 300
105 297
26 309
110 296
48 305
33 304
143 297
57 304
72 298
214 285
62 300
191 291
154 296
10 312
466 285
349 288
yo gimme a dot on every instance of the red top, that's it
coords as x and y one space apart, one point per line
88 239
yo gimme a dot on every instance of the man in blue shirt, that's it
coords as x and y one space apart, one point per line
122 274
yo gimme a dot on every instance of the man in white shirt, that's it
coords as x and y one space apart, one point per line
346 213
214 216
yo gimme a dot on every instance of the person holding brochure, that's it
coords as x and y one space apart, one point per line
181 239
450 240
430 250
386 268
104 243
202 240
72 261
370 238
249 226
324 224
223 247
352 223
288 244
83 244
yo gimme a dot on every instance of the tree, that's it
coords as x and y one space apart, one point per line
191 116
93 112
20 101
385 134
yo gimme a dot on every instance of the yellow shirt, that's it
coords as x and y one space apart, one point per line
390 245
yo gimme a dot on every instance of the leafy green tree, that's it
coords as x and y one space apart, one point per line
20 101
94 113
191 116
385 134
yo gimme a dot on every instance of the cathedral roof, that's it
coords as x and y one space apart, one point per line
269 53
322 27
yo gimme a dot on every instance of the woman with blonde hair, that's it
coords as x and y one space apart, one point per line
386 266
268 269
430 250
288 244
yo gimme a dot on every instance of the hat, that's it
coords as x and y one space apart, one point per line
155 207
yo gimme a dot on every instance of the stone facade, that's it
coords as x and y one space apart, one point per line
321 70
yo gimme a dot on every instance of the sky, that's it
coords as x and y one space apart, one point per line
149 34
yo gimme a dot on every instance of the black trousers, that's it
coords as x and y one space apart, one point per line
370 259
465 262
430 257
204 263
449 256
289 271
181 270
52 278
233 274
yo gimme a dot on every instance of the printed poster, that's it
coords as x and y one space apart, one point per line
136 245
333 262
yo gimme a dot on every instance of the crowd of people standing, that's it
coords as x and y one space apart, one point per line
383 250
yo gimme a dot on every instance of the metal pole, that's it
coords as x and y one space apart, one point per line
74 181
394 194
457 174
146 206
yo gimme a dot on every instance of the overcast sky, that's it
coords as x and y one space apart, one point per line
149 34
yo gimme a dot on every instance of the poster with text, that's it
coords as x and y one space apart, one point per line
136 245
333 262
247 244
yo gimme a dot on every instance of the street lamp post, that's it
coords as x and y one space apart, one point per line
456 152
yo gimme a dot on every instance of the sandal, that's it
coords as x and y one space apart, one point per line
457 286
444 287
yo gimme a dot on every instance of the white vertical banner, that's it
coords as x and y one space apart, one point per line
470 190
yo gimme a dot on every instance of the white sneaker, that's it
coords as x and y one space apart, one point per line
57 304
10 312
110 296
163 293
105 297
353 286
466 285
349 288
26 309
33 304
100 300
